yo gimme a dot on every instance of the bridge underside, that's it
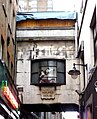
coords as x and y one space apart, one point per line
49 107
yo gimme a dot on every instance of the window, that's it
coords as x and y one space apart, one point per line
8 41
8 59
12 70
13 24
93 28
95 50
22 5
2 48
48 71
49 5
33 5
10 12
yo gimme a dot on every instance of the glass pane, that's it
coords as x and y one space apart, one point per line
52 79
60 66
60 78
44 68
43 73
48 75
48 71
43 63
51 71
95 50
51 63
35 67
35 78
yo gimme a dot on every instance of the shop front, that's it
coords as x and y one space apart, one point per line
88 101
9 101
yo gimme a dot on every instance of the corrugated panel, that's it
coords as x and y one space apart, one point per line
46 15
45 23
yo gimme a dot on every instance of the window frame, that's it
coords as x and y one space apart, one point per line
94 33
52 78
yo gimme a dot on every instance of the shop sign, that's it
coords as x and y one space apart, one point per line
4 83
47 93
8 94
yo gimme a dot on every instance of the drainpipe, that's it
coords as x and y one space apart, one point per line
76 44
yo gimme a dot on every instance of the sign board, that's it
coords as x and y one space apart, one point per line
47 93
8 94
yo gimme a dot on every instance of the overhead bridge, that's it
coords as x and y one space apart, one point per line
49 107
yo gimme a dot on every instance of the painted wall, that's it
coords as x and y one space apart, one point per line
86 35
58 46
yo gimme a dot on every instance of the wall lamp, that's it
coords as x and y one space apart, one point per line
74 72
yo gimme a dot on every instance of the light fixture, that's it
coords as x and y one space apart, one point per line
74 72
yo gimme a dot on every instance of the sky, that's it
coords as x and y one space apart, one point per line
1 117
70 115
66 5
62 5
